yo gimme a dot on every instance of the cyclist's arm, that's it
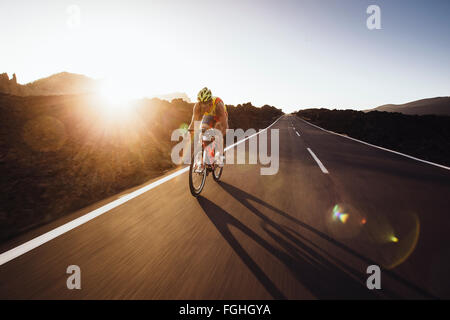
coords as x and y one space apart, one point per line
222 125
196 116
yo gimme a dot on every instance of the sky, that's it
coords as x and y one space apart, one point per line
289 54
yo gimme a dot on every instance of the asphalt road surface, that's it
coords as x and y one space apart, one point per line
335 207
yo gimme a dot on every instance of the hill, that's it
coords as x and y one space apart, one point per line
438 106
63 83
174 95
57 84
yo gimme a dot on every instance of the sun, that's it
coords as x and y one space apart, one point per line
116 92
117 97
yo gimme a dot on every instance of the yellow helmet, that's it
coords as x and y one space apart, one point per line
204 95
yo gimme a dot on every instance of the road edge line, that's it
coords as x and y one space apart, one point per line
378 147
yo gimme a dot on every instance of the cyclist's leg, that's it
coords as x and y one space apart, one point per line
197 152
219 151
222 155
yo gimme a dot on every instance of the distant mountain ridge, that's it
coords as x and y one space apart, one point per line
56 84
175 95
64 83
437 106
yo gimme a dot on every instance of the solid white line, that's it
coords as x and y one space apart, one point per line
378 147
240 141
40 240
321 166
297 133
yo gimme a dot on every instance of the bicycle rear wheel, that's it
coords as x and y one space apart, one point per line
197 174
217 173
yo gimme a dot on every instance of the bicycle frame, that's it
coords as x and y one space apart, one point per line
208 151
202 167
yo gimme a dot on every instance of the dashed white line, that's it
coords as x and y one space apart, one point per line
297 133
321 166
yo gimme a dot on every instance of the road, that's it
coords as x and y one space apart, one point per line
255 236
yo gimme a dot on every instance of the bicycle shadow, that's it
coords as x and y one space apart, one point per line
244 197
312 269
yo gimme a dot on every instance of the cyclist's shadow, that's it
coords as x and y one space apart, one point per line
321 277
244 197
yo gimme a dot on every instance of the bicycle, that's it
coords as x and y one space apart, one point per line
202 163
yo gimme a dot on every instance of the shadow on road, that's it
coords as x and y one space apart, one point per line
243 198
321 277
320 273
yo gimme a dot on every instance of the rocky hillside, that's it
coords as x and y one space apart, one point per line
57 84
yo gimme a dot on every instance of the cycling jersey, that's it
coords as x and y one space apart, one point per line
210 117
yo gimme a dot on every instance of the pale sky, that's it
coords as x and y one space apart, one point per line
289 54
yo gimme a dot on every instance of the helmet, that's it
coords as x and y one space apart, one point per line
204 95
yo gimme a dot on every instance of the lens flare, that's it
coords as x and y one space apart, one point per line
343 217
393 238
343 221
396 239
44 134
338 214
184 127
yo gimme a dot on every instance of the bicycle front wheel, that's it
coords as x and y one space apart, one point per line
197 174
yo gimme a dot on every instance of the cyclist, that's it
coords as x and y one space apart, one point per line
212 113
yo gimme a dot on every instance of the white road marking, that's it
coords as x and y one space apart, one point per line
40 240
297 133
321 166
378 147
46 237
